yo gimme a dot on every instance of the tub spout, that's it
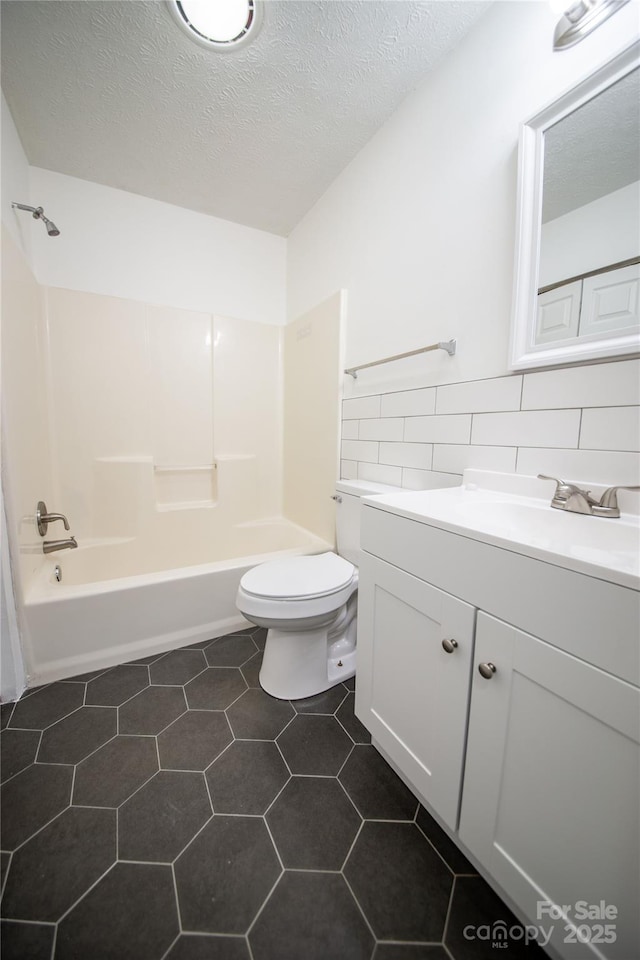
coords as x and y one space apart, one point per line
50 545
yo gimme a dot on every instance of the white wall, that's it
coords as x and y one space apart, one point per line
593 236
124 245
20 336
419 228
312 355
14 170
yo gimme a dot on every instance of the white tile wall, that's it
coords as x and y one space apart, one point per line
579 423
543 428
420 479
423 479
389 428
438 429
350 430
581 466
358 408
379 473
407 454
366 450
409 403
610 428
454 458
480 396
598 385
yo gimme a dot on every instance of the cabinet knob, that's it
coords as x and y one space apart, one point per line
487 670
337 498
449 645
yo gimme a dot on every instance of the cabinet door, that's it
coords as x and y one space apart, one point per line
558 313
611 302
411 694
551 801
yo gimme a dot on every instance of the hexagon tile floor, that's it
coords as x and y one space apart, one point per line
169 809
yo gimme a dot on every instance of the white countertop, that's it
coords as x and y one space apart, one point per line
514 512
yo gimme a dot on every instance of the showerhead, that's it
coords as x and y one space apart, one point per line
38 214
52 230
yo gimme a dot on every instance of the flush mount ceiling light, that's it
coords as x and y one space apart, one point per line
218 24
579 19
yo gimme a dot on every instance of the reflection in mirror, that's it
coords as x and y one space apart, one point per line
589 270
577 292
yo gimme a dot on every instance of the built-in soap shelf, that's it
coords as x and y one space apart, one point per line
185 487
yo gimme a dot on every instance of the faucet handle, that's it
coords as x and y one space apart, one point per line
558 483
44 518
570 497
610 497
565 490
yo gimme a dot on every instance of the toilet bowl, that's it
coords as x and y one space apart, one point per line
308 605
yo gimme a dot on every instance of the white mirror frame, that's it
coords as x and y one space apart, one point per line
523 353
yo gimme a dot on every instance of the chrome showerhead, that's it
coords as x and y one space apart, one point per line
52 230
38 214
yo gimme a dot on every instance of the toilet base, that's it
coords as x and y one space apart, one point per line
297 665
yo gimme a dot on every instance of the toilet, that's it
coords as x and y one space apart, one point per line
308 604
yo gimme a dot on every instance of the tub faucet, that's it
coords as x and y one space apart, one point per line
44 518
50 545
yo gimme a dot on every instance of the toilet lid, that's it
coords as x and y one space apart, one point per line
296 577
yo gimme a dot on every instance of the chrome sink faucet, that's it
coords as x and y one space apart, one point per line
574 499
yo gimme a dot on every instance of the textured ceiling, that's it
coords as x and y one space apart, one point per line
116 93
594 150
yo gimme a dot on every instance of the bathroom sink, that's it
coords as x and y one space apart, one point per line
514 512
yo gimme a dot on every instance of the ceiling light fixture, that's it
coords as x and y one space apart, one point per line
579 19
218 24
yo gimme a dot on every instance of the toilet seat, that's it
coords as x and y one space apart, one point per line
299 578
304 589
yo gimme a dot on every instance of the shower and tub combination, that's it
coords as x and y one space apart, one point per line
115 599
159 432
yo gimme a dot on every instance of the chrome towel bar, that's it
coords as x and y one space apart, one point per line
448 345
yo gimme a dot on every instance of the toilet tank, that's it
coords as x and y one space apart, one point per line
348 494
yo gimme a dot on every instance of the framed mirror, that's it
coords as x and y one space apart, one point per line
577 269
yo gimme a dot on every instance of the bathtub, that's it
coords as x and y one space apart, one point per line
123 598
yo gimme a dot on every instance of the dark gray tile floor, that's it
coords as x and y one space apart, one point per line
169 809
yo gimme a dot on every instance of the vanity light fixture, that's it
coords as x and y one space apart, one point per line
580 19
218 24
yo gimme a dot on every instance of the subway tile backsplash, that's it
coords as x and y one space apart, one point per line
527 428
610 428
383 428
615 384
480 396
580 423
438 429
409 403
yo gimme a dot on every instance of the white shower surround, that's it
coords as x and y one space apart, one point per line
142 601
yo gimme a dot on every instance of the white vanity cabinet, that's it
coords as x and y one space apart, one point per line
549 805
415 649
